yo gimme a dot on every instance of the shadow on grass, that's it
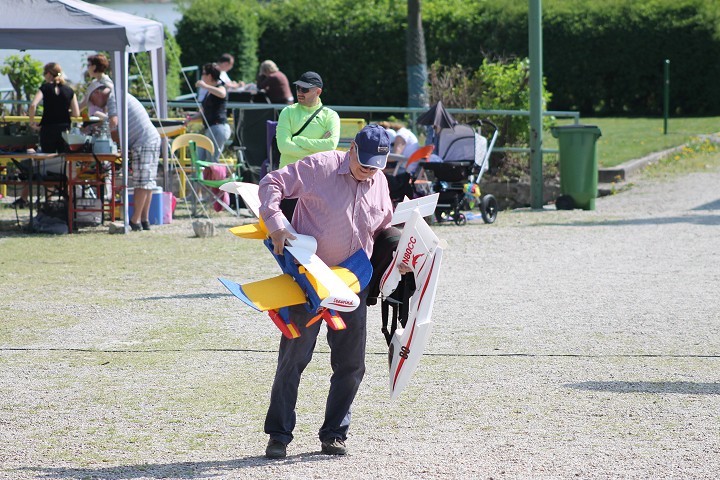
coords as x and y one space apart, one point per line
709 206
210 469
691 388
690 219
187 296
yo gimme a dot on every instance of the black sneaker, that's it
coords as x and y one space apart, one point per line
334 446
135 227
275 449
145 225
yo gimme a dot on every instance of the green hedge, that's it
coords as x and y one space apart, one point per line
599 57
357 47
616 63
210 28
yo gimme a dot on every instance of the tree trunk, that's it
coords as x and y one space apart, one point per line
416 59
16 109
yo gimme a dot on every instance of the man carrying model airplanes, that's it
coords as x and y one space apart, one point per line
343 202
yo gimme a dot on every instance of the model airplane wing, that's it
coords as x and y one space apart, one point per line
408 344
249 194
331 290
269 294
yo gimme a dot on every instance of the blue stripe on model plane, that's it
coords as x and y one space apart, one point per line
236 289
360 265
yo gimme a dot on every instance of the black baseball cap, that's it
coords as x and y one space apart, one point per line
309 80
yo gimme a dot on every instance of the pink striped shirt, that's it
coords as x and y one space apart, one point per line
343 215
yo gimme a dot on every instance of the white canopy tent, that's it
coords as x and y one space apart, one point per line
77 25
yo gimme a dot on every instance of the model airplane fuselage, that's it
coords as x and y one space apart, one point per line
419 249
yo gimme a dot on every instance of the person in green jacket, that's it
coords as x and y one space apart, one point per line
320 135
305 128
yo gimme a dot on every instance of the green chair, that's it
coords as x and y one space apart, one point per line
191 141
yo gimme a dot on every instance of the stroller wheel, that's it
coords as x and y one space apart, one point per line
488 208
460 219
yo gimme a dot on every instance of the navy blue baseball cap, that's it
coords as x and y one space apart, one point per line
373 146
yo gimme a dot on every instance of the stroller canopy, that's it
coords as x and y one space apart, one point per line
462 143
438 117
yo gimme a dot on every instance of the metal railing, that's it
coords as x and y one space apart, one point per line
412 112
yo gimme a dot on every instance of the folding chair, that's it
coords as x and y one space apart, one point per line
191 141
419 155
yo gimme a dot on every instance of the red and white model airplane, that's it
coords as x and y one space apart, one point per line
420 250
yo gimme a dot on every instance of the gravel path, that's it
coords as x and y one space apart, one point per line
567 345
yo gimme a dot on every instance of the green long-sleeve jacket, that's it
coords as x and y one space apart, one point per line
310 140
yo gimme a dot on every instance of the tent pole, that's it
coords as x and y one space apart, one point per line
121 78
161 110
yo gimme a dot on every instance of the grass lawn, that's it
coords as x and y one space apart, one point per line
626 139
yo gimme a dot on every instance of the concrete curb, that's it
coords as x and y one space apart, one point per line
622 172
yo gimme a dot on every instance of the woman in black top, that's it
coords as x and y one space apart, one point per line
214 109
59 102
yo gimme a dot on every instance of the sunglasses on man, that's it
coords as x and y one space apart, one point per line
303 89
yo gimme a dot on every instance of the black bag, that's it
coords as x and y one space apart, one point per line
275 151
399 301
56 209
45 224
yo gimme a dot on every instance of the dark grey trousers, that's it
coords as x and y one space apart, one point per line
347 359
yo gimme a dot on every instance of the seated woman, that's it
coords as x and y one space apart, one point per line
213 110
274 83
405 142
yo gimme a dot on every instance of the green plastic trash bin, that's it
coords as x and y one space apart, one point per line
578 165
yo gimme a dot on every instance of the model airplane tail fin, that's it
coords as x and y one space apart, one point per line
255 231
248 192
425 205
288 328
415 249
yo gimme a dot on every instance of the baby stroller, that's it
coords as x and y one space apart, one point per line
465 154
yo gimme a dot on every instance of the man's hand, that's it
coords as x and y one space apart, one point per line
403 269
279 237
328 134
